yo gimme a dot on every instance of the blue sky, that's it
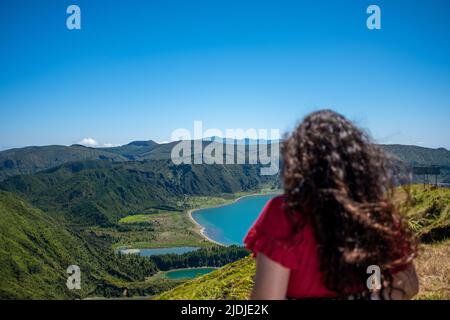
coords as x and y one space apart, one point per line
138 70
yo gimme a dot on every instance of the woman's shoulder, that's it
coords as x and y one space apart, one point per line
274 220
274 214
276 204
274 235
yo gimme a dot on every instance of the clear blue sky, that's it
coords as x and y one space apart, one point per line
141 69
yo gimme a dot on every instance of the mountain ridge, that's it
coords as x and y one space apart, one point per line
37 249
102 192
33 159
29 160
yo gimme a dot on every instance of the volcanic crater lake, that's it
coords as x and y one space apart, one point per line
229 224
189 273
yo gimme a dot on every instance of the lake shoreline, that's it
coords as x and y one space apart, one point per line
191 223
201 230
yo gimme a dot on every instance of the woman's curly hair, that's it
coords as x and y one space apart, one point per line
343 185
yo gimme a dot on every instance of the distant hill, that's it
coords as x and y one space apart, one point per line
160 152
36 250
415 155
33 159
101 192
134 149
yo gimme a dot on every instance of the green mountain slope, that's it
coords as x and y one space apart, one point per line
415 155
101 192
33 159
419 156
133 149
35 251
232 282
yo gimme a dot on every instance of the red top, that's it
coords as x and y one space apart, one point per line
272 235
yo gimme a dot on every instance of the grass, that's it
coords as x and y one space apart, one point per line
36 250
138 218
161 229
168 228
235 280
433 269
428 216
232 282
429 212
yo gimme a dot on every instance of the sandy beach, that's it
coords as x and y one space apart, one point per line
201 229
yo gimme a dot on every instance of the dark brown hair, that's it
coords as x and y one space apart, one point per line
342 183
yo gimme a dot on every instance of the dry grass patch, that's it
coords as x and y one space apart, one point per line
433 269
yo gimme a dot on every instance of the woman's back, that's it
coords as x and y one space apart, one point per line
337 216
273 236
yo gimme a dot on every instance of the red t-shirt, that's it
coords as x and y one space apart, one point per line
272 235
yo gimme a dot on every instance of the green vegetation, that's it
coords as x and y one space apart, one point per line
30 160
36 250
75 205
145 218
33 159
165 229
33 251
104 273
100 193
216 256
104 197
235 280
416 155
200 202
429 214
134 149
85 206
232 282
420 156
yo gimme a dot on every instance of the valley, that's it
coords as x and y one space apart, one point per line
77 205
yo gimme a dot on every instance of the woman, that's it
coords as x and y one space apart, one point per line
335 219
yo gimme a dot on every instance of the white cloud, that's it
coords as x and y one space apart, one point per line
88 142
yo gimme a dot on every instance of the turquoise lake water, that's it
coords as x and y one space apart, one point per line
187 273
229 224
